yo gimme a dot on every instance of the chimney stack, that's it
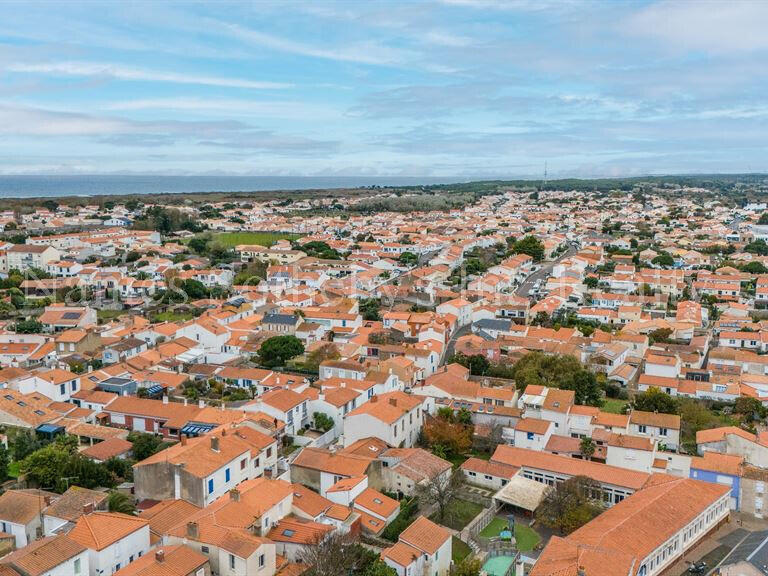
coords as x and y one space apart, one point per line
393 401
165 399
215 443
160 556
192 530
88 508
183 439
234 495
201 403
374 399
223 431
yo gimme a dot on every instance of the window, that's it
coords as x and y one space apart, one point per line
62 388
231 561
204 549
227 475
243 463
210 485
529 435
662 431
261 560
256 463
269 452
77 566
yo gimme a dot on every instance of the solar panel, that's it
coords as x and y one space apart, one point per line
70 315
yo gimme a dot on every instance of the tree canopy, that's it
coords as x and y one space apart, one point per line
558 371
654 400
276 351
570 504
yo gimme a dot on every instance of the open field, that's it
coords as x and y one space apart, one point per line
232 239
613 405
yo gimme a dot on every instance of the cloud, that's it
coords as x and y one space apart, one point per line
717 26
289 109
118 72
367 52
35 122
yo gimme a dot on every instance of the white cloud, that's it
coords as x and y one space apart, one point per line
359 53
716 26
96 69
266 108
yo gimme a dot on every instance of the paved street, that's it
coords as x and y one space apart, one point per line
525 288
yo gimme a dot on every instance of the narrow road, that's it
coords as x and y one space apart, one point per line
449 348
542 273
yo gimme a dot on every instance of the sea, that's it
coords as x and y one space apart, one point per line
104 185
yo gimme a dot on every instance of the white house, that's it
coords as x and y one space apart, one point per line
424 548
396 418
113 540
56 384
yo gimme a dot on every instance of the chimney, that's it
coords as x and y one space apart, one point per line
215 443
183 439
374 399
185 401
234 495
88 508
192 530
165 399
47 500
160 556
201 403
393 401
223 431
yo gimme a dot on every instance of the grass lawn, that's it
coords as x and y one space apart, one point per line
232 239
459 551
459 513
171 316
107 315
613 405
526 537
13 469
493 529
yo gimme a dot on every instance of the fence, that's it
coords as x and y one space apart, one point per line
477 525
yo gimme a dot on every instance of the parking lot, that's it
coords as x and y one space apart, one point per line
744 539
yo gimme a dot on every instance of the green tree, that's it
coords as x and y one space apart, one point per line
477 363
121 502
591 281
529 245
469 566
570 504
664 259
408 259
654 400
558 371
369 308
144 445
750 408
763 219
323 421
587 448
276 351
757 247
24 443
755 267
28 327
5 462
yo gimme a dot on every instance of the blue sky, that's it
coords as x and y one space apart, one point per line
470 88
